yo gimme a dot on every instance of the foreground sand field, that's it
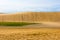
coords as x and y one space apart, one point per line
29 33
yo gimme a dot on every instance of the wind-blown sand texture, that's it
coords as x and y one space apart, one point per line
29 34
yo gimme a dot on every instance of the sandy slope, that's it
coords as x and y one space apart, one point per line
31 17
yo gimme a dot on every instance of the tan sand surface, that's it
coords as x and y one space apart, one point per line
29 34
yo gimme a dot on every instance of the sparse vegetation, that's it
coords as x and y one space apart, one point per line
15 23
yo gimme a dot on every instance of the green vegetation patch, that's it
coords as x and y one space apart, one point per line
15 23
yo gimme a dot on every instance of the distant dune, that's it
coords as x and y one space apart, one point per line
31 17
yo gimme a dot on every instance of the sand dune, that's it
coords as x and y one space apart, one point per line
31 17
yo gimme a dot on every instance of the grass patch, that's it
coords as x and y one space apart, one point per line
15 23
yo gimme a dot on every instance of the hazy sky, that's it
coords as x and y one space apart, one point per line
29 5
